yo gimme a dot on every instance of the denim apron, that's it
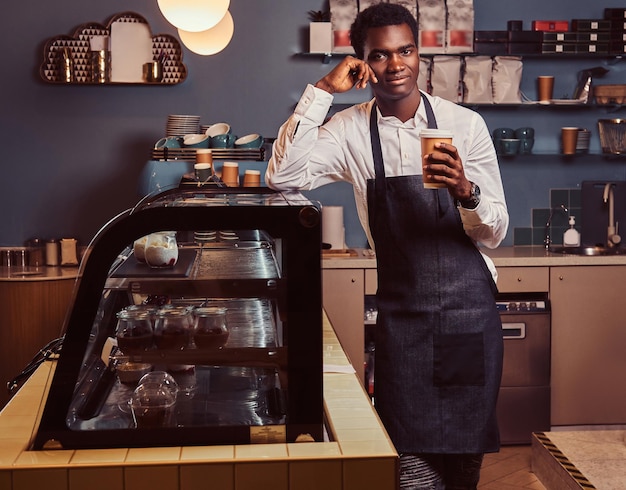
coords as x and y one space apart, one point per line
438 335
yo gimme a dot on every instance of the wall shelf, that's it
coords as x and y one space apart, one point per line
174 71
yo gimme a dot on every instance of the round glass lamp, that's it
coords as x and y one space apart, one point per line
211 41
193 15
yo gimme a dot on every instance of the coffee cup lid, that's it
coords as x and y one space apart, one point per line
436 133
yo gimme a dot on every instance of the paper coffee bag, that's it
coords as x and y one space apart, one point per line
410 5
446 77
432 25
506 78
477 88
460 26
342 15
423 78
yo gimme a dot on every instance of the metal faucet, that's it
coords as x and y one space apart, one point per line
547 240
612 236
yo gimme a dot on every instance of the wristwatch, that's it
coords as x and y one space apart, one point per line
474 198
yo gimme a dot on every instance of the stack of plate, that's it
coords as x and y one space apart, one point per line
582 143
180 124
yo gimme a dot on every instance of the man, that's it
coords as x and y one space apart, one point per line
439 340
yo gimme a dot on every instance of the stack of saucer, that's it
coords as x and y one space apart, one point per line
582 142
179 125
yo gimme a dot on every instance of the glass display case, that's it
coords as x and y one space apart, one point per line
196 320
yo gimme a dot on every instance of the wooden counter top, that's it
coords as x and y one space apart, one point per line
44 273
360 455
502 257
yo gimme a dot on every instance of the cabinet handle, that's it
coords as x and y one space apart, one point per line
560 278
353 280
519 279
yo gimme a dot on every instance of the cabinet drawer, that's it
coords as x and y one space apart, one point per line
523 279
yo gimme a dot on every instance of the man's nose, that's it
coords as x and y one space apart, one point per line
395 63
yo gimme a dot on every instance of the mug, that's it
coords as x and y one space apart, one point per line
503 133
168 142
196 141
217 128
222 141
524 133
250 141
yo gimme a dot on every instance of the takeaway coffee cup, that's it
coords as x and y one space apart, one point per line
429 137
252 178
203 171
569 138
230 174
545 86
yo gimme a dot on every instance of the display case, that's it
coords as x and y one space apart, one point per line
228 317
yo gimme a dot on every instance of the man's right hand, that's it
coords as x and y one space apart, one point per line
350 72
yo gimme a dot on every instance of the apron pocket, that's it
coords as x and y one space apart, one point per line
458 359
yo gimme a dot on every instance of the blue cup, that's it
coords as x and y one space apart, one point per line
503 133
222 141
524 133
196 141
168 142
250 141
509 146
526 145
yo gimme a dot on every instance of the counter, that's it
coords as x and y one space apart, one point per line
360 455
33 305
501 256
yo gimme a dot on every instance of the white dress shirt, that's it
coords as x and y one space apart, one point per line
308 154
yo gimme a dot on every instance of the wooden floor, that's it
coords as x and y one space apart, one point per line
508 470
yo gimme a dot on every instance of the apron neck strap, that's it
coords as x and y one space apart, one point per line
377 153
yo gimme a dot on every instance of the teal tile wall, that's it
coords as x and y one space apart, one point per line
535 234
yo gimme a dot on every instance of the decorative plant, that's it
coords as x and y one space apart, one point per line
319 16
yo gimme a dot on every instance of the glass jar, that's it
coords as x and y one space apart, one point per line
161 249
134 331
210 330
172 329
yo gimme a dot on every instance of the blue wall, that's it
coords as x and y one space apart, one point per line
72 155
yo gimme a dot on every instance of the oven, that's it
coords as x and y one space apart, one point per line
524 398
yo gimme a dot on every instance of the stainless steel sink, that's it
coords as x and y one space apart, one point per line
588 250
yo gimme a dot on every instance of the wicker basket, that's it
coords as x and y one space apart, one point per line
612 136
610 94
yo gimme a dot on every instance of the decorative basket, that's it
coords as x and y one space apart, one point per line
612 136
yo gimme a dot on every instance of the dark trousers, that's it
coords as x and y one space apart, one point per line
440 471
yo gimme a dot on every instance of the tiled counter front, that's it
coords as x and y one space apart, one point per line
360 456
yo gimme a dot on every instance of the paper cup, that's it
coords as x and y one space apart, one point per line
569 138
230 174
545 87
252 178
203 171
428 138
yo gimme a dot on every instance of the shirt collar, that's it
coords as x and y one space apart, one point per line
419 120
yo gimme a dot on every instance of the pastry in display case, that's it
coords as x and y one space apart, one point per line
196 320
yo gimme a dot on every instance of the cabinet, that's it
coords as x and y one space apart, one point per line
588 345
33 311
255 254
523 279
344 303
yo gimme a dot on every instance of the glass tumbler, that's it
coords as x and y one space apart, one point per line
161 249
172 329
134 331
210 330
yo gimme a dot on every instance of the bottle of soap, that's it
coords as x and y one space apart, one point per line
571 237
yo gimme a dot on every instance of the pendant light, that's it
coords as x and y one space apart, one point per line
193 15
210 41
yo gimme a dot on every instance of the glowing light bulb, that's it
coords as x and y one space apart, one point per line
193 15
211 41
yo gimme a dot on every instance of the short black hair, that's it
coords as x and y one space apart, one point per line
379 15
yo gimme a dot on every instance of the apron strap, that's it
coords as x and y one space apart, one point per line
377 153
